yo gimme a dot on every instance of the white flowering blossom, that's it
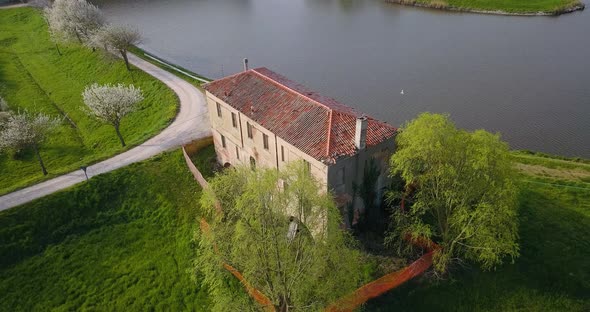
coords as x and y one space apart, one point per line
111 103
73 19
119 38
23 130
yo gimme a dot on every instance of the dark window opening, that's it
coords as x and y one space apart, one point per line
265 141
218 110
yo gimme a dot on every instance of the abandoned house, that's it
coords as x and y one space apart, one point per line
260 118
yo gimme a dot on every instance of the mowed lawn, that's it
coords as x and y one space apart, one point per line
34 77
553 271
121 242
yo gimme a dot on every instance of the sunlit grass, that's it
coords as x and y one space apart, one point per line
121 242
34 77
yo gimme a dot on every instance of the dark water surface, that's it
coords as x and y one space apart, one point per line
526 77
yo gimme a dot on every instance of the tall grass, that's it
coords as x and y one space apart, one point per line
551 274
121 242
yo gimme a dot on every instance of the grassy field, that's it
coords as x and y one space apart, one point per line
507 6
33 76
553 271
121 242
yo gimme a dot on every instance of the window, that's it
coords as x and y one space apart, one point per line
222 141
249 129
234 122
252 163
237 153
282 153
265 141
307 166
218 110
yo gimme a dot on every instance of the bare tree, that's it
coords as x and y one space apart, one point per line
73 19
23 130
111 103
119 38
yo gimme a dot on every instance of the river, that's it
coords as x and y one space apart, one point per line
525 77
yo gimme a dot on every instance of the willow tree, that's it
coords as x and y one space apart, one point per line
110 103
460 193
23 130
282 234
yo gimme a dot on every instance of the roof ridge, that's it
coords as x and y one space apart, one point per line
329 134
291 89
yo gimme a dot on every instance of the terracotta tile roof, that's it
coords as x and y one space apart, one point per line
319 126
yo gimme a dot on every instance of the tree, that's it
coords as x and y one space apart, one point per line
119 38
281 234
23 130
461 193
73 19
111 103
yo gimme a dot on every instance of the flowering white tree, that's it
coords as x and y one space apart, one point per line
111 103
73 19
24 130
4 113
117 37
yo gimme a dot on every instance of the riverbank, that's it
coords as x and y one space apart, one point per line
505 7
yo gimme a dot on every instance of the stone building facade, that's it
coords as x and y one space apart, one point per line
261 118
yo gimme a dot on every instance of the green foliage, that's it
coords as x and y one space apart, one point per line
510 6
551 274
34 77
120 242
304 272
465 197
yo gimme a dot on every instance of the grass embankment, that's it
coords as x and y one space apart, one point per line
553 271
121 242
33 76
516 7
175 69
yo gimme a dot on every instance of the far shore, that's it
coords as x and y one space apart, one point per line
444 5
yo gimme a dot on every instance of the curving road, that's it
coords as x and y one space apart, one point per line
191 123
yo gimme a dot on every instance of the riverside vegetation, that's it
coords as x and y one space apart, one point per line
34 77
515 7
124 241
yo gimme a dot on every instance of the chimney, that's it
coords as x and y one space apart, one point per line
360 135
245 64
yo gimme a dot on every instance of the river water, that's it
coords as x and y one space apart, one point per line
525 77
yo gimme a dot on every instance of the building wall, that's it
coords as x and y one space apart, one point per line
254 147
349 171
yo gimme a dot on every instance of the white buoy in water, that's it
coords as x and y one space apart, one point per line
402 93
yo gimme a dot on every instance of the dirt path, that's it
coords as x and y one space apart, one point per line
191 123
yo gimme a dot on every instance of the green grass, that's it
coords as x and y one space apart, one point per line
142 54
121 242
33 76
552 273
508 6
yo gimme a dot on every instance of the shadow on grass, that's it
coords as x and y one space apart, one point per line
552 273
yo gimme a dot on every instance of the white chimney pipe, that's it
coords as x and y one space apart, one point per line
245 64
360 135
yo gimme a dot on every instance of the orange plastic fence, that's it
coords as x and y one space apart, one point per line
253 292
378 287
348 303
